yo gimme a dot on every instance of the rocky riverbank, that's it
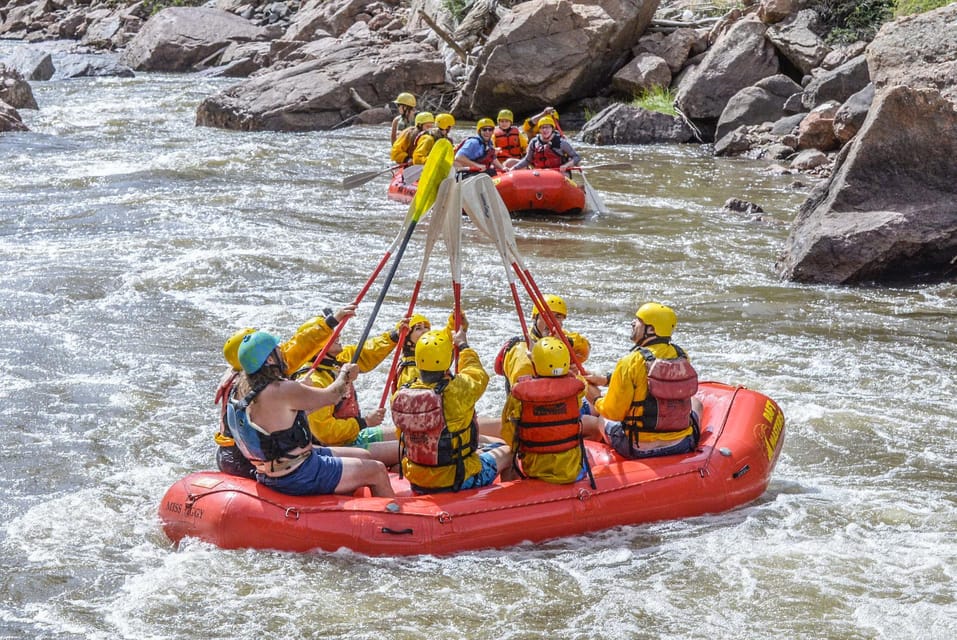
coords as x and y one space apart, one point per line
759 80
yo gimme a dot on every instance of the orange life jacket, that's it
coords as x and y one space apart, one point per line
550 420
509 142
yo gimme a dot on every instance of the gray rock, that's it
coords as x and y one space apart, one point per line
869 223
625 124
740 58
187 38
918 51
32 64
838 84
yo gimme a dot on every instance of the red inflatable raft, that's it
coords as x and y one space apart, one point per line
742 435
534 191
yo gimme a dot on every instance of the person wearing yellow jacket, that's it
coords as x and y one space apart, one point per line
648 414
541 420
404 143
436 415
418 326
296 352
342 424
427 139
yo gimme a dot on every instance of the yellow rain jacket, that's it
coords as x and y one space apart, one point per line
458 405
557 468
329 430
629 387
402 147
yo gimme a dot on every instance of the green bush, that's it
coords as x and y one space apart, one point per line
846 21
659 99
910 7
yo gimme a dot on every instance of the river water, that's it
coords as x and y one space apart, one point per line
134 243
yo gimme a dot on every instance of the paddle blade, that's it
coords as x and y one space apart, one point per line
359 179
436 170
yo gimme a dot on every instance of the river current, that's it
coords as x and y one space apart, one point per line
134 243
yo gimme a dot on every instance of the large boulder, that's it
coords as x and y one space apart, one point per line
625 124
317 93
548 52
188 38
15 91
32 63
919 50
762 102
889 211
9 119
741 57
837 84
797 40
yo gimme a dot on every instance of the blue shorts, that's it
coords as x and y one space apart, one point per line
319 474
489 470
618 439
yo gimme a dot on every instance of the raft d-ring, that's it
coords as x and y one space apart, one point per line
444 517
292 512
584 494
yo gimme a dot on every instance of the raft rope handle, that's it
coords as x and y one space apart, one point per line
443 517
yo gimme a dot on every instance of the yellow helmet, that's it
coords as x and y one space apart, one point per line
433 351
505 114
416 318
659 317
546 120
550 357
423 117
444 120
231 348
484 122
555 303
405 98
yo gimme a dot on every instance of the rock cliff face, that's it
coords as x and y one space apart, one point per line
889 211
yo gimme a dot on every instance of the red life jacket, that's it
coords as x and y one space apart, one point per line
489 156
547 155
426 439
509 142
550 421
348 407
672 383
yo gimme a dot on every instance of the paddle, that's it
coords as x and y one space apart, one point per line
351 182
437 169
436 225
478 206
616 166
453 243
593 200
484 197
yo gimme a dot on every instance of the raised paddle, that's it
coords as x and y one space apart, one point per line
478 206
412 216
453 243
436 227
484 197
351 182
437 169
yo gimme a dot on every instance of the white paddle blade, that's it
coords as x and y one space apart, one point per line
412 173
436 222
453 230
593 200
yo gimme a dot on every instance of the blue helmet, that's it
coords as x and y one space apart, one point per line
255 349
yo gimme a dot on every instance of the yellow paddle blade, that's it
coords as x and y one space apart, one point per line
436 170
